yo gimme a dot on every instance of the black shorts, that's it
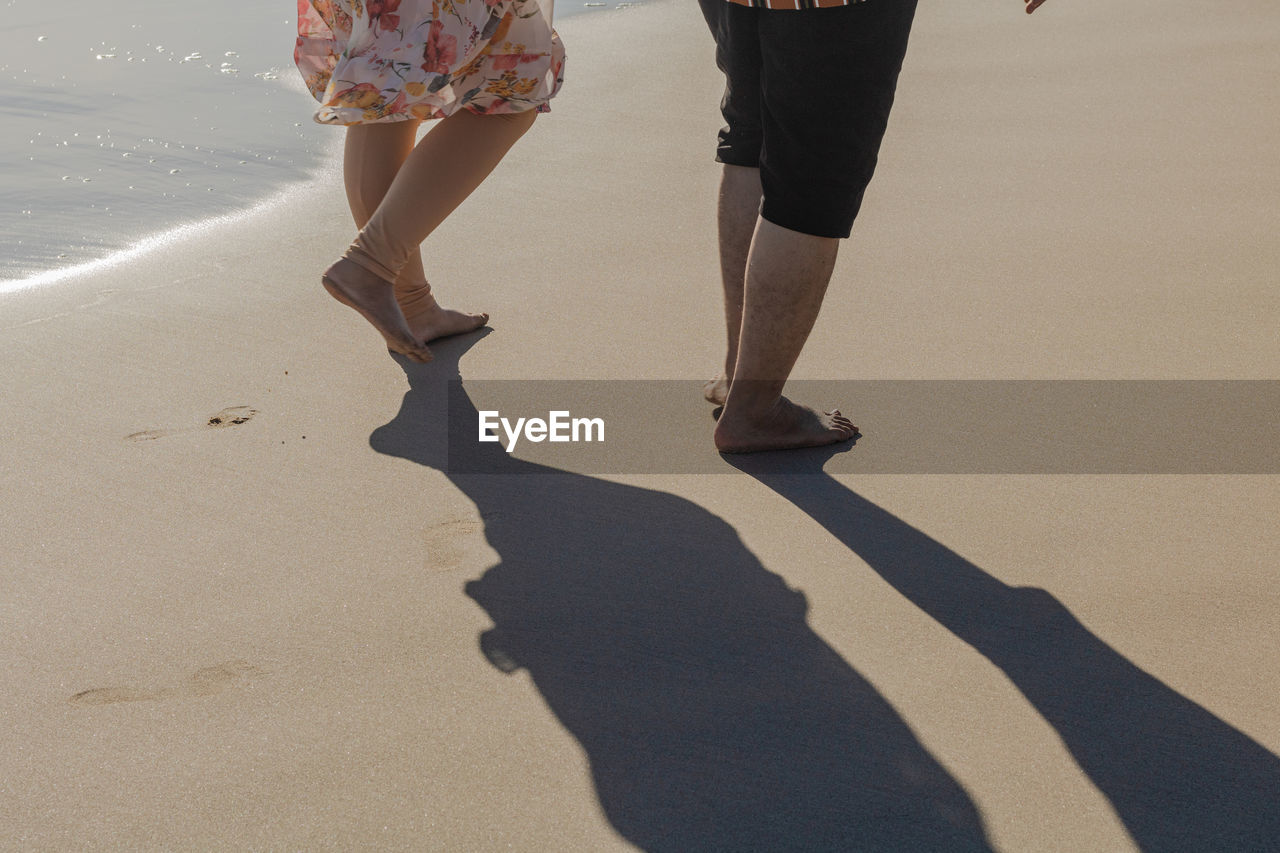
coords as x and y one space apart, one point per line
807 100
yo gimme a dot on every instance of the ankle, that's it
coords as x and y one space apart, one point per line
360 254
752 399
416 294
351 273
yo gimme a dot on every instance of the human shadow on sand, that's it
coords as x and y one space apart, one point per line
713 717
1178 777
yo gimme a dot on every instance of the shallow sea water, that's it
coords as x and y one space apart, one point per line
126 120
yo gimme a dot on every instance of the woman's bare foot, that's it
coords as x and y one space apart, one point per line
427 320
716 390
374 299
784 426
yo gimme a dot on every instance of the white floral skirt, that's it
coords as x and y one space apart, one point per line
370 61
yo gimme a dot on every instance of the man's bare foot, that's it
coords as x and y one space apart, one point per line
716 390
374 299
785 426
427 320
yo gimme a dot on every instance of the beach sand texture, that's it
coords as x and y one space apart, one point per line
243 607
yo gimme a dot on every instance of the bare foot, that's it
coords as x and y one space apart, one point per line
784 427
374 299
427 320
716 390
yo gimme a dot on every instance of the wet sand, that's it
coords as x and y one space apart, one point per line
245 606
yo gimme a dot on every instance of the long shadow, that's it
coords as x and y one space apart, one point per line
713 717
1179 777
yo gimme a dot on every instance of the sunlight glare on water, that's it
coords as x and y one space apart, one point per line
134 119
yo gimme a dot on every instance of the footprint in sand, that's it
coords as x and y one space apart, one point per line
203 682
447 543
230 416
111 695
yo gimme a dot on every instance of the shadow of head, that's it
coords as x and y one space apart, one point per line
713 716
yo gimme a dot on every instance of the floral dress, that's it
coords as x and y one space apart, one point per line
370 61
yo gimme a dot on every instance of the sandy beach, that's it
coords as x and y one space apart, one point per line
245 605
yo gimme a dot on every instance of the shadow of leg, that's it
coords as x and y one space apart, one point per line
1179 777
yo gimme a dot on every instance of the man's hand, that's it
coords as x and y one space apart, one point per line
1032 5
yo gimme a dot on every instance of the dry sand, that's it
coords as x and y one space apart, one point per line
266 634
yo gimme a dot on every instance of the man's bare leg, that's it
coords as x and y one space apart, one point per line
787 277
736 214
372 157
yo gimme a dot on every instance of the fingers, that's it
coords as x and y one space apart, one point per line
1032 5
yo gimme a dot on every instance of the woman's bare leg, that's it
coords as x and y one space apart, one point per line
437 176
373 156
